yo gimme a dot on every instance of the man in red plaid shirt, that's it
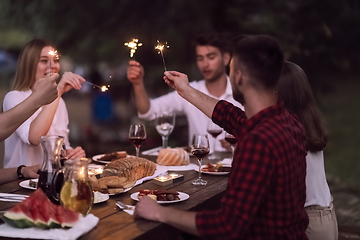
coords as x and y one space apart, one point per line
266 189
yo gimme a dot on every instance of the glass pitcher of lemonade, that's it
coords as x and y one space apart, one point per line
76 193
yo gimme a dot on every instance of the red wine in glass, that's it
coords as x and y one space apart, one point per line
200 152
214 132
137 135
231 139
200 148
137 141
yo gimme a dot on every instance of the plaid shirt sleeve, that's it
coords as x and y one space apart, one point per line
228 116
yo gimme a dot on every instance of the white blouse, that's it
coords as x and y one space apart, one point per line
18 149
317 188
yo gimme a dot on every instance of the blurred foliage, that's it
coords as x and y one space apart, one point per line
319 35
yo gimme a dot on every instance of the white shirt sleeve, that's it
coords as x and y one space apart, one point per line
12 99
170 102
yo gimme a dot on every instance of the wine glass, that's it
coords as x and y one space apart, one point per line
164 123
200 148
137 135
214 130
232 140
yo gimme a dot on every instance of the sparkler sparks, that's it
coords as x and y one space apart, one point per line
160 47
133 45
102 88
53 55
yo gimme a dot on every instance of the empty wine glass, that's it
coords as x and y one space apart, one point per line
232 140
200 148
137 135
214 130
164 123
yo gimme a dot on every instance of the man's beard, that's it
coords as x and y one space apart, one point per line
215 77
237 95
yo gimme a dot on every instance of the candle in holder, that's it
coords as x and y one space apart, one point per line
168 179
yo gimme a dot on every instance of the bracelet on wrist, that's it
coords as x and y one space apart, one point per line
18 171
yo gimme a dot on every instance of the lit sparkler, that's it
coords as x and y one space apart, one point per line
53 55
102 88
160 47
133 45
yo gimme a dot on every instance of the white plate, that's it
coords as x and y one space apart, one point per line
125 190
152 152
182 196
211 173
100 197
96 158
25 184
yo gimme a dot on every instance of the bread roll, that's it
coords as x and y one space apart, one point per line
173 157
129 168
96 186
116 182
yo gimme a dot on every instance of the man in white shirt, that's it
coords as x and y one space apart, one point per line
212 58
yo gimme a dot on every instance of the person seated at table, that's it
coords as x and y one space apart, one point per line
36 62
212 59
265 193
295 91
43 93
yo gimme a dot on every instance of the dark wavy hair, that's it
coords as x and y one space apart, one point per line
295 91
261 57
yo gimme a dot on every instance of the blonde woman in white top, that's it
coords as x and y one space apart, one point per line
35 63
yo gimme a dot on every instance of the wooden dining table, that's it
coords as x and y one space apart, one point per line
117 224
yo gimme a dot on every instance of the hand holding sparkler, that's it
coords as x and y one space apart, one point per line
160 47
135 72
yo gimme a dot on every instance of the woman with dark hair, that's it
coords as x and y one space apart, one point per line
35 63
295 91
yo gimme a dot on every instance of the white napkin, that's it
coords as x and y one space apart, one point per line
191 166
226 161
152 152
159 171
130 210
84 225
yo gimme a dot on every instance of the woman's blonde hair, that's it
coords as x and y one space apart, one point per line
294 90
27 64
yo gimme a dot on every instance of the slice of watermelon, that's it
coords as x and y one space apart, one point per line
19 217
66 217
37 210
